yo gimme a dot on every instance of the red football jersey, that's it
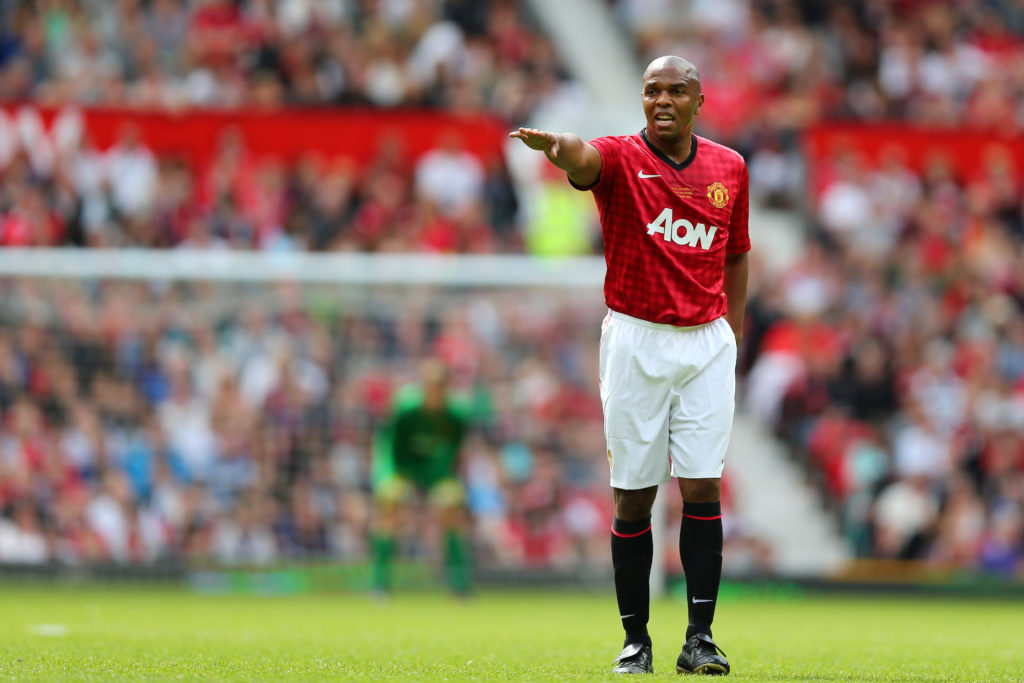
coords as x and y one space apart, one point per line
667 227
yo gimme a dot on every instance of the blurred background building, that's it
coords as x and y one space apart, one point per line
223 416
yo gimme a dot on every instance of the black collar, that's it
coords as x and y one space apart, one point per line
664 157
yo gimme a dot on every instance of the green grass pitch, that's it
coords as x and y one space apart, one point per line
61 633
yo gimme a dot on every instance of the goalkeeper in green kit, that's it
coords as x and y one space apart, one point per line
416 453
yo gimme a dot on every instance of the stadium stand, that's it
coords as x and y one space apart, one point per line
890 358
459 57
778 67
199 430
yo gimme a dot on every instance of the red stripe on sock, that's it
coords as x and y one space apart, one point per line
639 533
703 519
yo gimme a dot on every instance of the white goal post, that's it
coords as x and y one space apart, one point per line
506 271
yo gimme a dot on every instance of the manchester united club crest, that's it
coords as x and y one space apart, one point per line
718 194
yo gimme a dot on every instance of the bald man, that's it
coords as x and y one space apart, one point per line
673 208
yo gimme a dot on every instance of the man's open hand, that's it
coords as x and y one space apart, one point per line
542 140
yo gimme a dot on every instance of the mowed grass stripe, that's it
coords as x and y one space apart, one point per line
128 634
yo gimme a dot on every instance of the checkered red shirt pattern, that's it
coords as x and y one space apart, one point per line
658 271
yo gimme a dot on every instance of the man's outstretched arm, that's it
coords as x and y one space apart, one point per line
567 151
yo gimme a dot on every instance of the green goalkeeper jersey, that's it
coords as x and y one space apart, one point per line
419 445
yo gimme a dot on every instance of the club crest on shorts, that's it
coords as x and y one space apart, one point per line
718 194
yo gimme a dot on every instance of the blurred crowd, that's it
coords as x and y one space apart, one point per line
448 200
774 67
891 359
217 423
455 54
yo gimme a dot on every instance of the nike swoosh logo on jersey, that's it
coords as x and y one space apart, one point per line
641 174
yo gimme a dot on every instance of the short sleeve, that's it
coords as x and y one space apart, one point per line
606 147
739 235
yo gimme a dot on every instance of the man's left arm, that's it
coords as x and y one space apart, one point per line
735 288
736 259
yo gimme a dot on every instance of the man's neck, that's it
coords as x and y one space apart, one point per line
678 151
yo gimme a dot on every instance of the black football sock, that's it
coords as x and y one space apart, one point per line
632 554
700 549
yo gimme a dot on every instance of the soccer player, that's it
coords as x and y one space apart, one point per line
673 208
416 453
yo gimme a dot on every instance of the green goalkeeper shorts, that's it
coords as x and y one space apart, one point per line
443 493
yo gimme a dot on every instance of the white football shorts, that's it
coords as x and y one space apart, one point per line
668 395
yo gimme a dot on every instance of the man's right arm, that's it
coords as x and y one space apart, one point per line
579 159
